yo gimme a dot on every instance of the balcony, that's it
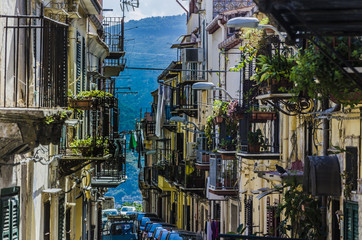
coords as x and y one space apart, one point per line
32 94
203 152
184 100
169 125
149 125
113 37
111 172
223 175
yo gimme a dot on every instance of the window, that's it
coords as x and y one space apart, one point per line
352 166
9 213
46 221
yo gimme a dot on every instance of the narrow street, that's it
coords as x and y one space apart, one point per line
180 120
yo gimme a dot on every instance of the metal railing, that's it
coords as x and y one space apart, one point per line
113 34
34 62
223 173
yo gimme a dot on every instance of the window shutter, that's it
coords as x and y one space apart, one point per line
61 210
5 219
9 223
351 221
84 70
78 63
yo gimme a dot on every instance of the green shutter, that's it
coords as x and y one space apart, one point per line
351 221
15 218
84 70
5 219
9 222
61 215
78 63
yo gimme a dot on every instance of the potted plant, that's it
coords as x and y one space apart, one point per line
317 76
255 141
263 113
219 110
273 73
90 147
235 110
85 100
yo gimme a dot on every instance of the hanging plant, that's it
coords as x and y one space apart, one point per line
316 76
235 111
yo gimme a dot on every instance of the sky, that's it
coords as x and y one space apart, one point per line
147 8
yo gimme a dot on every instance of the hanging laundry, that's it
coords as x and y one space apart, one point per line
132 142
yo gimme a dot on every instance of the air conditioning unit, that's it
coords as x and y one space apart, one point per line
191 149
192 55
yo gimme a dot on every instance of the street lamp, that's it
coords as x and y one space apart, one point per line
184 121
209 86
252 22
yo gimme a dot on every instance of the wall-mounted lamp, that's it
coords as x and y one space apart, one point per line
184 121
209 86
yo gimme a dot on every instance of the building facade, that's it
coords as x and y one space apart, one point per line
214 105
60 142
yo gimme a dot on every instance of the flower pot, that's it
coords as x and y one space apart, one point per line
227 156
82 104
205 158
259 115
219 119
254 148
354 97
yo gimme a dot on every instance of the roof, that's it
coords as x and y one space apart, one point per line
171 71
213 25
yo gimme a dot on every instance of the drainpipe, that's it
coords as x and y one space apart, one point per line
325 105
285 128
222 28
223 38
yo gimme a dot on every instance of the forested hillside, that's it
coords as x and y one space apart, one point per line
147 45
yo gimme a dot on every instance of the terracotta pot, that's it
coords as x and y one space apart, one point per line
355 97
83 104
259 115
205 158
219 119
228 156
254 148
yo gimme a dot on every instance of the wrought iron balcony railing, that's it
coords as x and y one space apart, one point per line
223 175
111 172
34 62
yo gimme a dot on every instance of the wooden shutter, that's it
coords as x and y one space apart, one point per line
46 221
352 166
78 62
351 221
9 214
61 216
84 69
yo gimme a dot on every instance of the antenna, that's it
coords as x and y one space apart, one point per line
129 3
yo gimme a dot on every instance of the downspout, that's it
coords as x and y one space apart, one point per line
223 29
223 38
325 105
